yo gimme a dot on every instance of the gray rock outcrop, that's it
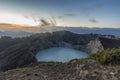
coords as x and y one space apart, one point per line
95 46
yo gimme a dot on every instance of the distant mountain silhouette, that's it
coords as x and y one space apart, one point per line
86 30
78 30
15 33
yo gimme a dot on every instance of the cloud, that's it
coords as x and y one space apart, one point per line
67 15
88 10
93 20
100 5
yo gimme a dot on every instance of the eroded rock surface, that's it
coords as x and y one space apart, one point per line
75 70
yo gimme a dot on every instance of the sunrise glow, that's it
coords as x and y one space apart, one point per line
16 19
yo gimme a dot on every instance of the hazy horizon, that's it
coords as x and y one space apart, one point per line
88 13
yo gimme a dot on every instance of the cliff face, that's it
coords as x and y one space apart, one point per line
65 39
110 42
24 50
16 56
95 46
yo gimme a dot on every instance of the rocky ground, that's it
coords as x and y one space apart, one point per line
73 70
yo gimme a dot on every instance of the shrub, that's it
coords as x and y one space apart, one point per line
108 56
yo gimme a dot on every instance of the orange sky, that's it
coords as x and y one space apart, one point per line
15 26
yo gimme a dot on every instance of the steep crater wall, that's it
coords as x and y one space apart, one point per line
23 52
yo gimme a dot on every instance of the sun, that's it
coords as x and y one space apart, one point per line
16 19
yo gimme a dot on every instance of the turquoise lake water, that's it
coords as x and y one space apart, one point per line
59 54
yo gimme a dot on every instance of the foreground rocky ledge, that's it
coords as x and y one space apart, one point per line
74 70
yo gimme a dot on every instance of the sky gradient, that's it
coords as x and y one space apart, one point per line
86 13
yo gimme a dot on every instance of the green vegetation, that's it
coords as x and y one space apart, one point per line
108 56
